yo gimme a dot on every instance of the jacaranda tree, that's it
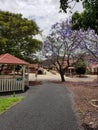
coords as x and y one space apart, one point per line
89 42
61 46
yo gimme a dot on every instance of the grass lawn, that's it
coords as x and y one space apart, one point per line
6 103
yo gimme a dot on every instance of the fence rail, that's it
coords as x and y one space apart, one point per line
11 84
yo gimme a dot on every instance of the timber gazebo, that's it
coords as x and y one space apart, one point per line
13 73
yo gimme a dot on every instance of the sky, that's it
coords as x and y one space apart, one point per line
44 12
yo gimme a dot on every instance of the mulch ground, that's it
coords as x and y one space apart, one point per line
83 93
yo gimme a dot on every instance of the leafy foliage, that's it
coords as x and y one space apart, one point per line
16 35
65 4
88 18
80 67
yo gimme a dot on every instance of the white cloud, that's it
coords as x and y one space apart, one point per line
44 12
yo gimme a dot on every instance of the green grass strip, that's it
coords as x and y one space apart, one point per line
6 103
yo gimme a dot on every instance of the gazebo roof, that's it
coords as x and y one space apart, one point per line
9 59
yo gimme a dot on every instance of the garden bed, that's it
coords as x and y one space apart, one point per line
84 93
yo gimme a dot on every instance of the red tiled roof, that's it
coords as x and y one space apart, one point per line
9 59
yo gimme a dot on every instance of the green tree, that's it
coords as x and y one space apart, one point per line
88 18
17 35
80 67
65 4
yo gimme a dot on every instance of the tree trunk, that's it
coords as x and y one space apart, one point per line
62 77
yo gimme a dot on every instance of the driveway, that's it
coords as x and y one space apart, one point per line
46 107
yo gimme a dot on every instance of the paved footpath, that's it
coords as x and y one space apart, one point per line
45 107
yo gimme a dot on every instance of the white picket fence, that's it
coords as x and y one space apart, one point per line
11 84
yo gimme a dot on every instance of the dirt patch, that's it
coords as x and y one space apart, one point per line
34 83
83 93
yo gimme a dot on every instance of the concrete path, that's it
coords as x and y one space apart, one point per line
50 77
45 107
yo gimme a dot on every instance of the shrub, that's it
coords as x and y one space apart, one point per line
80 67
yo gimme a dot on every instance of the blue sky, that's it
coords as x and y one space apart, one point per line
44 12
